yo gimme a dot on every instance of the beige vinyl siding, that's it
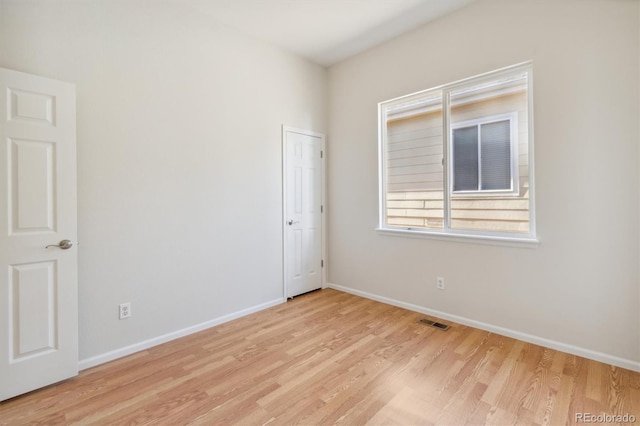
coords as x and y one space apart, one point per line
412 209
415 172
415 153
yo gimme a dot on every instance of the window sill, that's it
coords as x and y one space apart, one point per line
522 242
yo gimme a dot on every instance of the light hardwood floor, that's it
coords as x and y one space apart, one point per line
333 358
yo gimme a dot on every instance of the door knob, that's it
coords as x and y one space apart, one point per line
64 244
291 222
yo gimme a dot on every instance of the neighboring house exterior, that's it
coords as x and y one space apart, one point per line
415 162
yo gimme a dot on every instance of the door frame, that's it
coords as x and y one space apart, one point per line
323 235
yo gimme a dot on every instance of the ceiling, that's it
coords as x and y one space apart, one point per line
325 31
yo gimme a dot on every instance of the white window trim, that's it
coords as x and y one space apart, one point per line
515 172
411 104
466 237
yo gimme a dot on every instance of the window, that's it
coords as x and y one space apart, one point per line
457 160
485 155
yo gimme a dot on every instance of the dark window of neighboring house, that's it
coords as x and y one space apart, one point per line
483 156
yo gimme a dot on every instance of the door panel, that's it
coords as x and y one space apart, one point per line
303 211
28 107
31 310
31 185
38 284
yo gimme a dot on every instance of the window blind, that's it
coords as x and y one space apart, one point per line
465 159
495 148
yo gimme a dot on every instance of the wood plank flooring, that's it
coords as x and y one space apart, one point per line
333 358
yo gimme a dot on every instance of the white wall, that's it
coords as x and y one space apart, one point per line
580 286
179 157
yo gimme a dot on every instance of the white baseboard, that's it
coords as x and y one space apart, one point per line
563 347
137 347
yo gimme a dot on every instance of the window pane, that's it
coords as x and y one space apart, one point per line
465 159
496 155
414 175
491 104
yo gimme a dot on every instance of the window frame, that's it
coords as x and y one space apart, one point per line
514 190
413 104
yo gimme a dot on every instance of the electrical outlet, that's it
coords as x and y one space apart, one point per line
440 283
125 310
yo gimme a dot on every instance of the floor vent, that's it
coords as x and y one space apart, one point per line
434 324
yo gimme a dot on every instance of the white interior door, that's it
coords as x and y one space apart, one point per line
303 207
38 285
